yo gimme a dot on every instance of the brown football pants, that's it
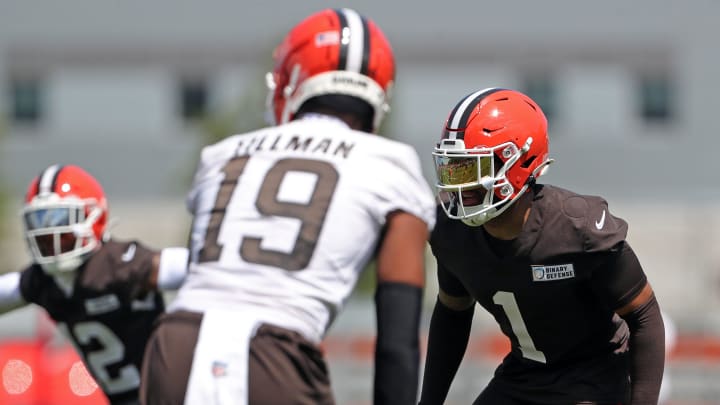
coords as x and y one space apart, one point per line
284 368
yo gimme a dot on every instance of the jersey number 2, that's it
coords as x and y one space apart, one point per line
311 214
112 351
507 301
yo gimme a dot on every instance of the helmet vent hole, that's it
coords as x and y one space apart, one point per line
531 105
528 162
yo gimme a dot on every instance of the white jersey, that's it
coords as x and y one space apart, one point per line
286 218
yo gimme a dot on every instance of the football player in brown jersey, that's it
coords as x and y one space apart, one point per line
103 293
553 267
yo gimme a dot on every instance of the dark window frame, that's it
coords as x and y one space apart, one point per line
542 87
26 99
193 98
656 96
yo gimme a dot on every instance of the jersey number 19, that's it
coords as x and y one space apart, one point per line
311 214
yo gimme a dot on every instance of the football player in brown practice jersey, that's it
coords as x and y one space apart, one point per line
551 266
104 294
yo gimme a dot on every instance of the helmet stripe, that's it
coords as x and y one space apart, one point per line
48 179
342 58
354 41
461 113
366 47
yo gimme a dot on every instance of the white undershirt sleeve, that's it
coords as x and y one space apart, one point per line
173 268
10 297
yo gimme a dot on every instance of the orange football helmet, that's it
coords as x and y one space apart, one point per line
65 218
494 144
334 51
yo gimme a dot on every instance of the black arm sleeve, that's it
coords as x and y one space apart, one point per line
447 342
647 352
620 278
397 350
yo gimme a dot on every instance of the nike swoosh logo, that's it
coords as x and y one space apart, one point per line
599 224
129 253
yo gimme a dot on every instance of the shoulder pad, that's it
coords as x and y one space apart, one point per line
591 215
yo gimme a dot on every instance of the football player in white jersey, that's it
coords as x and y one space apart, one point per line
285 220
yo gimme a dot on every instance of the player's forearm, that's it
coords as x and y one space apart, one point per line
447 340
170 268
10 297
647 351
397 351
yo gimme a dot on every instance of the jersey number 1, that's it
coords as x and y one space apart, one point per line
311 214
507 301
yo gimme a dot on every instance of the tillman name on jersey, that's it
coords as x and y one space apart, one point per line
284 142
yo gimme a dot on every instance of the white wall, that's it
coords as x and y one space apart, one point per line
598 102
103 102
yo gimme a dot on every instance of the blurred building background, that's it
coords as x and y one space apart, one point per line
130 89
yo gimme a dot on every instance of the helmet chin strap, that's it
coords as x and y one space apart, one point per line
63 266
482 218
477 220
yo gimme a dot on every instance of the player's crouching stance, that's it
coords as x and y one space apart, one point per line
552 267
103 293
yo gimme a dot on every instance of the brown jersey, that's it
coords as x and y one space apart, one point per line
553 291
108 315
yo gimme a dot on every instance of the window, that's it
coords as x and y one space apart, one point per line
26 104
193 99
656 96
542 89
